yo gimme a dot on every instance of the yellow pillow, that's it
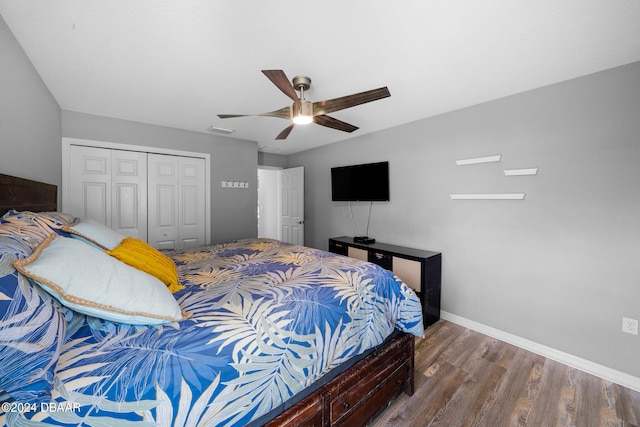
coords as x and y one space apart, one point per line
141 255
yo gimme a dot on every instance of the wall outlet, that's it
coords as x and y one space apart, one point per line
630 326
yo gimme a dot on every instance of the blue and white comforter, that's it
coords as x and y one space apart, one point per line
266 320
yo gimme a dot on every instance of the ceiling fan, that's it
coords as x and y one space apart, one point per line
303 112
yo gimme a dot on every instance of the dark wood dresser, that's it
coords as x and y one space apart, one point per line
421 270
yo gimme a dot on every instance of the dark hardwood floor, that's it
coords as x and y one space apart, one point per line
464 378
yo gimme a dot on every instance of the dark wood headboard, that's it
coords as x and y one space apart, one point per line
26 195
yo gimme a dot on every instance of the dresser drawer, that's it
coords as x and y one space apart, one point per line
409 271
357 253
337 248
357 406
380 258
306 413
350 396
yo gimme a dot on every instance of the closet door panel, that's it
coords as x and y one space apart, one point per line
93 202
129 204
90 189
192 202
163 201
166 201
126 206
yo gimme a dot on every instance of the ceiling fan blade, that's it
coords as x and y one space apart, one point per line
280 79
283 113
331 122
230 116
285 133
336 104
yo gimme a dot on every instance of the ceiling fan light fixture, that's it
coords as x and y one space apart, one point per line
302 120
304 114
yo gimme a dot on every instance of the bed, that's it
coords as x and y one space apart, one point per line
262 332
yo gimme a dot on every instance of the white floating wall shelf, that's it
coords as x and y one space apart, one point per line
520 172
477 160
490 196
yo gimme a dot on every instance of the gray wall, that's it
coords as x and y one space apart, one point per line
233 211
32 124
273 160
561 267
29 117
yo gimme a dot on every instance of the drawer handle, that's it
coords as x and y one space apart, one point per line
346 405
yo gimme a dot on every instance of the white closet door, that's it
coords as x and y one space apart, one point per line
157 198
90 184
192 202
176 201
129 193
163 201
110 186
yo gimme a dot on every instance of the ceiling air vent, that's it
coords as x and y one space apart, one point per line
215 129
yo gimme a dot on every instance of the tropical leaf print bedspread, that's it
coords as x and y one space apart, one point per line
266 319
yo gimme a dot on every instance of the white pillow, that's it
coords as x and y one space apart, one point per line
87 280
94 232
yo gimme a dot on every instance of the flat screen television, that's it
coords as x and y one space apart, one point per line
360 183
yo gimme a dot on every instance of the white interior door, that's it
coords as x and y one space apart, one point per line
268 205
292 205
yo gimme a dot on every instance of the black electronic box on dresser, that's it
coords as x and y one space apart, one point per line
421 270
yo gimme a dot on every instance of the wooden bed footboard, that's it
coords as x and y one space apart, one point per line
361 393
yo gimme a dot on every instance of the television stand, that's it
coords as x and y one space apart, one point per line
421 270
364 240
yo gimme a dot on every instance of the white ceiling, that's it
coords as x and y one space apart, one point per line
178 63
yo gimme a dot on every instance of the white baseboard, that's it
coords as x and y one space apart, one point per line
587 366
